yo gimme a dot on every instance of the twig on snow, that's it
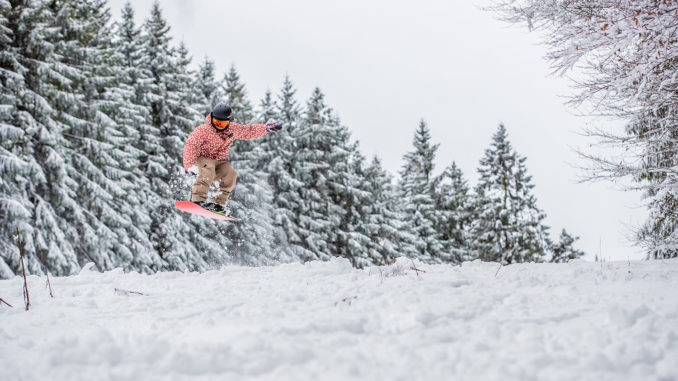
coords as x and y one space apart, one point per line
120 291
42 259
414 267
501 264
27 298
2 301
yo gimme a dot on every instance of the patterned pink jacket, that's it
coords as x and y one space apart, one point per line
206 141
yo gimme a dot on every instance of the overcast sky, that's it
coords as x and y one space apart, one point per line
384 65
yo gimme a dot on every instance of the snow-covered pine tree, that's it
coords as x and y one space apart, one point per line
208 87
96 151
5 31
288 112
358 245
507 224
287 107
162 143
453 203
417 186
564 250
321 162
10 81
349 191
279 162
659 234
62 96
35 190
185 111
236 96
266 112
382 222
267 107
129 44
132 115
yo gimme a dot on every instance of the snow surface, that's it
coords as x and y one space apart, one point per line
328 321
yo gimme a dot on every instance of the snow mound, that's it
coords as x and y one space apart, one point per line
326 320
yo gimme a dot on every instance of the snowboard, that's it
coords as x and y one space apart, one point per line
192 208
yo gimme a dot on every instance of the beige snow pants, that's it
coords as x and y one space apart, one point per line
209 171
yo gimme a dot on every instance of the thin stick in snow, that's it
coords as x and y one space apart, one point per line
42 259
500 266
27 298
414 267
2 301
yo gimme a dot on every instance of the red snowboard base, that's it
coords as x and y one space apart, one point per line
192 208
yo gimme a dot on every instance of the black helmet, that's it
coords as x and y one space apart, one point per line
222 111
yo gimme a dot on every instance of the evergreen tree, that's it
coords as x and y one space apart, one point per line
287 108
659 234
98 159
283 146
390 235
209 90
564 250
267 108
236 96
133 115
280 166
268 144
9 79
162 143
360 245
453 204
129 44
185 112
417 187
349 191
316 215
35 190
507 225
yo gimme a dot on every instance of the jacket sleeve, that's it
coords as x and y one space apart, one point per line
249 131
192 148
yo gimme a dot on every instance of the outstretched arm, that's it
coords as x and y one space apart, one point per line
253 131
248 131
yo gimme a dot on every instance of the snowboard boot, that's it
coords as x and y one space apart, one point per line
219 209
213 207
205 204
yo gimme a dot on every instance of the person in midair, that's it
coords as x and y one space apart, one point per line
207 148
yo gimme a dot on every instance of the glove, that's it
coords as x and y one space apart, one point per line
273 127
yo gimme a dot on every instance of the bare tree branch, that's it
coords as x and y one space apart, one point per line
27 298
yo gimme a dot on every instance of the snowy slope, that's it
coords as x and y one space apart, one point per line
328 321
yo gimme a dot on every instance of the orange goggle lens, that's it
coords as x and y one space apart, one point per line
220 123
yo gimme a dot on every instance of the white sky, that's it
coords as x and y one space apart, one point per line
384 65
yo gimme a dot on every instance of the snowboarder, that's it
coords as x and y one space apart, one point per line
207 148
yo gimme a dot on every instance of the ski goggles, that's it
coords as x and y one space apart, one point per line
220 123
